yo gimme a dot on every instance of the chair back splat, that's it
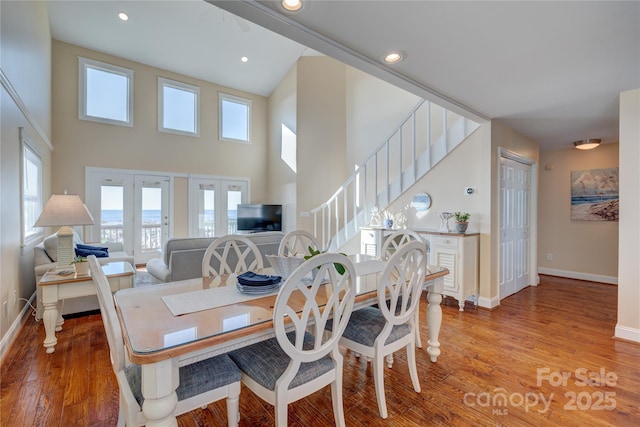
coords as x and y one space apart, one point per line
304 356
233 255
297 243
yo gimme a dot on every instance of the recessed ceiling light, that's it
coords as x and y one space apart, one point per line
292 5
123 16
244 59
394 57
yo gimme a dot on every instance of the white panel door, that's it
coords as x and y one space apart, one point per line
515 193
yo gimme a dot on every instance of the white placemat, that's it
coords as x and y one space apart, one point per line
206 299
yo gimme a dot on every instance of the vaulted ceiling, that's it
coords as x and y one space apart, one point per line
550 70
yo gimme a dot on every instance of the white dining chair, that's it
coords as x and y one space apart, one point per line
375 332
201 383
231 254
397 239
390 245
297 243
304 356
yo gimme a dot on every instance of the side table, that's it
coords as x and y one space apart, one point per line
57 287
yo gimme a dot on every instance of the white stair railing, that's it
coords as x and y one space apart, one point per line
424 137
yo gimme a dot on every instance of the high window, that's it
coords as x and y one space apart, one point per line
235 118
31 191
105 93
178 107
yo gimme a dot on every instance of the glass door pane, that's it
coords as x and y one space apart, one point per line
234 198
111 213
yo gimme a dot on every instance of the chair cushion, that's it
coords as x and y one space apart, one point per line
366 324
195 379
265 362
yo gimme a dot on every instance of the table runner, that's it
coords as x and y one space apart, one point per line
206 299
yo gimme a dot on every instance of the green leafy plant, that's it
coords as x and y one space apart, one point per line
462 216
79 259
313 252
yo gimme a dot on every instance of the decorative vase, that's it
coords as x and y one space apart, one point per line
461 227
82 268
388 223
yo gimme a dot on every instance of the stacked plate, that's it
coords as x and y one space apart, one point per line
257 284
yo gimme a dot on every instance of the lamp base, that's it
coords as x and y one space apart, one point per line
65 247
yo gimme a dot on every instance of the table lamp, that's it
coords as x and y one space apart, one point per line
64 211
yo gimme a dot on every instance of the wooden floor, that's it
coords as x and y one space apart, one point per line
501 367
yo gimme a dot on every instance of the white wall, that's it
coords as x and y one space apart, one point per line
26 102
628 325
281 177
322 132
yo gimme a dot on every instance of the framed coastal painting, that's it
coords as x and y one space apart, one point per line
594 195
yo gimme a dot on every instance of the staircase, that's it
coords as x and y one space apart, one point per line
425 137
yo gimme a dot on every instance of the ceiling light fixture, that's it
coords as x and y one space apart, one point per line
292 5
123 16
244 59
587 144
394 57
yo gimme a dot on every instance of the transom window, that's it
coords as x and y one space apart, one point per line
31 191
105 93
235 118
178 110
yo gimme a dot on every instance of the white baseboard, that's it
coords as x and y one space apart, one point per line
14 329
627 333
489 303
612 280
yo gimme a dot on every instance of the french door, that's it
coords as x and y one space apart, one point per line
213 205
129 208
151 216
515 223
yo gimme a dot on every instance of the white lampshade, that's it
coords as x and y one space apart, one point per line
64 209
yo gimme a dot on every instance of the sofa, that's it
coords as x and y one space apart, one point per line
45 256
182 257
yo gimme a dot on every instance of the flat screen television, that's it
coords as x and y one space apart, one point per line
255 218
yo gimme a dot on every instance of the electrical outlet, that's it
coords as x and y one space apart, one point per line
549 256
15 297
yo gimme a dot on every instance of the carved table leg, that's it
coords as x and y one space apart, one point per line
159 383
49 317
434 319
60 319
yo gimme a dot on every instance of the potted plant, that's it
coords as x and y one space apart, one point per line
462 221
313 252
81 265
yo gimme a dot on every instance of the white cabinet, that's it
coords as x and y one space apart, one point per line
459 254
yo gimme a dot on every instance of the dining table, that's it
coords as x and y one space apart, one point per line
166 326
